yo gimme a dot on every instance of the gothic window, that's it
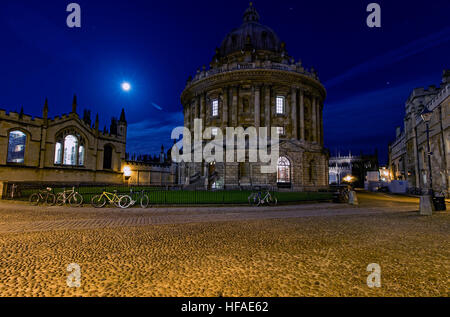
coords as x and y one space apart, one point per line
107 157
58 153
16 147
215 107
81 155
284 170
281 104
69 149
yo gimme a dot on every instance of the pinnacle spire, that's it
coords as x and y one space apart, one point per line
74 104
45 109
122 116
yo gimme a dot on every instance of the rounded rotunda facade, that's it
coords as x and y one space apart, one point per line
253 82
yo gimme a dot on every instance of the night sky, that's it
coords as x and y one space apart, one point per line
156 45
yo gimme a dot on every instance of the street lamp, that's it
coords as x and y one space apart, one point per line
426 115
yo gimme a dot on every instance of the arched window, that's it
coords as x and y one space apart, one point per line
58 153
81 155
69 149
16 147
284 170
107 157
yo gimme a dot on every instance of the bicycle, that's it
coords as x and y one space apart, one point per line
268 199
43 196
71 197
129 202
256 199
99 201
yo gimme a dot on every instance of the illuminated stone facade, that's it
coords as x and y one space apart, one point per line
253 82
408 154
68 149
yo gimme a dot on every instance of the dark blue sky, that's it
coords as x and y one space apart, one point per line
156 45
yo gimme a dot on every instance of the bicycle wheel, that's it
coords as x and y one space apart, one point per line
144 201
60 200
272 201
35 199
253 200
125 202
98 201
76 200
51 199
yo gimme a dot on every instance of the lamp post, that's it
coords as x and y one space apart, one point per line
426 117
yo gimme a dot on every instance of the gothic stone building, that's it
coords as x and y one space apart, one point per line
253 82
65 149
357 166
408 154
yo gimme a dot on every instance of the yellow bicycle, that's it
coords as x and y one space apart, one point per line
99 201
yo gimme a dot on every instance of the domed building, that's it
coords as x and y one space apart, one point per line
252 81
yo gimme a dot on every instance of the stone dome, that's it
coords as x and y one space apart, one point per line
250 35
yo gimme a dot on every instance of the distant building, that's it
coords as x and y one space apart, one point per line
350 165
408 156
151 171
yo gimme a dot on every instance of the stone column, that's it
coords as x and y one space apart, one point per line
234 111
314 119
302 116
319 123
257 107
203 112
225 108
267 108
198 108
294 113
186 117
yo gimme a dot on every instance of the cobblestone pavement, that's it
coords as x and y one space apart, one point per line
294 250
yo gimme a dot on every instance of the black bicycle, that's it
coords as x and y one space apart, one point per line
44 196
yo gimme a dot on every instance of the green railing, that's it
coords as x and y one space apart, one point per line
158 196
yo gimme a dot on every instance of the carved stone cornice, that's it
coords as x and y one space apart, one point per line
262 76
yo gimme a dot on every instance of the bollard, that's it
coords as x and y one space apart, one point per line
352 198
426 207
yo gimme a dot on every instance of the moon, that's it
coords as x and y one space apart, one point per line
126 86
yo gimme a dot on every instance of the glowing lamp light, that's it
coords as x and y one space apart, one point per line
127 172
348 178
126 86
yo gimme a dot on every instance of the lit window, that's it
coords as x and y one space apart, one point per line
214 131
215 107
70 150
58 152
280 104
16 147
280 130
81 156
284 170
